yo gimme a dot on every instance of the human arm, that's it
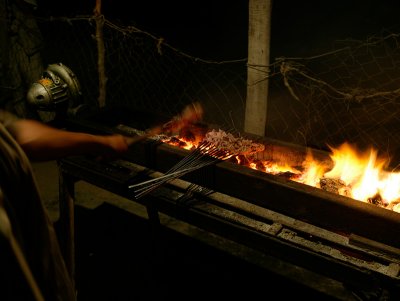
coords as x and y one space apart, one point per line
42 142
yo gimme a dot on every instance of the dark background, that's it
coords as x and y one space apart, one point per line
218 29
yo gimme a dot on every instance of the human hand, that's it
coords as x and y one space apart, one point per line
113 145
117 143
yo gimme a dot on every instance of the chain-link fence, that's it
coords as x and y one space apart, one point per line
144 73
348 94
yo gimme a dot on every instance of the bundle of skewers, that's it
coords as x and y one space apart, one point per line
216 146
205 154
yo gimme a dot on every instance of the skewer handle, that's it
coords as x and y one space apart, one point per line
134 139
130 140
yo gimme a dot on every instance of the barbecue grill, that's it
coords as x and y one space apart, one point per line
349 241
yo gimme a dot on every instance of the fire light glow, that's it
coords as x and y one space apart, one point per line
355 174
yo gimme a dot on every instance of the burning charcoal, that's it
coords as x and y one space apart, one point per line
242 160
260 165
376 200
287 174
334 185
295 176
182 144
193 133
176 142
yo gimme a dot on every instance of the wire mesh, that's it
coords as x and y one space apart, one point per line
144 73
347 94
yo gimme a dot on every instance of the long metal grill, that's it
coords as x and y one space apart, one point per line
324 233
205 154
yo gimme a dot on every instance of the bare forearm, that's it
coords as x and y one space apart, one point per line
41 142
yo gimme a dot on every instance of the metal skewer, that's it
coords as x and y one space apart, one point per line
168 177
205 154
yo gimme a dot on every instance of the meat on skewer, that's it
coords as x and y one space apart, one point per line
192 113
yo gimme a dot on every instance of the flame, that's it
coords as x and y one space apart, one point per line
313 171
361 175
363 172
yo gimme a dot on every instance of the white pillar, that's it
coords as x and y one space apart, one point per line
259 35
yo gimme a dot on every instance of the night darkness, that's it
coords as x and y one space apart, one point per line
218 29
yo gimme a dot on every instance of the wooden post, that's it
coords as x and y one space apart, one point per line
257 66
101 54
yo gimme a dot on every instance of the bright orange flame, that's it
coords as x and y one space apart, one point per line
313 171
362 173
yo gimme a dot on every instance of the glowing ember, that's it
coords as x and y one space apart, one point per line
358 175
180 142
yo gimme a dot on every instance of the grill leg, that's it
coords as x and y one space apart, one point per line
152 213
66 222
